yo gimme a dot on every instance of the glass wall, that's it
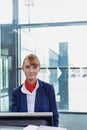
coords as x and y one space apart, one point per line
41 11
63 62
6 10
57 34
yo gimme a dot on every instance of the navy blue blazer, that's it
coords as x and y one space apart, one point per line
45 100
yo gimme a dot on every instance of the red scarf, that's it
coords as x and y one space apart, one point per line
30 87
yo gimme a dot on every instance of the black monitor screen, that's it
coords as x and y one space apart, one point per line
25 118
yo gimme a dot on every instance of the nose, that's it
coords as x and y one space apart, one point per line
31 69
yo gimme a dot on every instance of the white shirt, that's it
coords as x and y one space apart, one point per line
30 97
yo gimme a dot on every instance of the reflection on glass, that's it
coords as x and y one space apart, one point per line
4 102
61 49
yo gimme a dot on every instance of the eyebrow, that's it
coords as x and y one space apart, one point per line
30 65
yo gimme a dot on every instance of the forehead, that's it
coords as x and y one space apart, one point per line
31 61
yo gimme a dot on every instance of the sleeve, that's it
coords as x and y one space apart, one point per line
53 106
14 105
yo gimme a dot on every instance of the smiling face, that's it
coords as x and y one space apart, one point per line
31 68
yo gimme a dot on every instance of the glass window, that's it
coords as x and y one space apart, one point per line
5 11
62 63
4 84
56 31
40 11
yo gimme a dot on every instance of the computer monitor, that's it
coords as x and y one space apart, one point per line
25 118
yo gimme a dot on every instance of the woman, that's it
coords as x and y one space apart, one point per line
34 95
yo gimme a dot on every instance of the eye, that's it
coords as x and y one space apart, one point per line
35 66
27 66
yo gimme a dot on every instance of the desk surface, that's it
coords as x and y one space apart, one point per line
10 128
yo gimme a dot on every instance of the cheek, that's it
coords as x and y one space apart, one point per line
37 71
25 72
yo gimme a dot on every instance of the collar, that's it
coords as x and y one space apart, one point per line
25 91
30 87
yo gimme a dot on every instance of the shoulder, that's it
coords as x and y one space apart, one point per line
47 88
41 82
46 85
17 89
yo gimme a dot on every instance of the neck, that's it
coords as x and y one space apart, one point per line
31 81
30 87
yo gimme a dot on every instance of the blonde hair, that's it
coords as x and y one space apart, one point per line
33 59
